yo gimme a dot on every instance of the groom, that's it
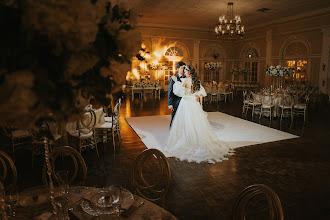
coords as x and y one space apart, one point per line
173 100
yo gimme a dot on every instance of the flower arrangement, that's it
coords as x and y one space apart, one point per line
278 71
213 66
237 70
57 54
146 84
158 66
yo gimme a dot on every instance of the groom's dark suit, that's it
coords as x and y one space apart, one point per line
173 100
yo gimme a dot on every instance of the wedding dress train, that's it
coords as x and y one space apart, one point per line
191 136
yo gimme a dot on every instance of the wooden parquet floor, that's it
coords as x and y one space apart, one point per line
298 170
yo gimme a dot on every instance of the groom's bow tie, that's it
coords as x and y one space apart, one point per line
182 77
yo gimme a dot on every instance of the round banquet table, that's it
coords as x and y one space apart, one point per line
28 207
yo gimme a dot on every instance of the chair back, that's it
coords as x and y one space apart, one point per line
241 203
287 100
152 185
99 115
77 160
221 90
115 117
267 100
214 90
257 97
244 94
247 95
87 123
5 163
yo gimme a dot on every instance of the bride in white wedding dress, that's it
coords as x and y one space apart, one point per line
191 136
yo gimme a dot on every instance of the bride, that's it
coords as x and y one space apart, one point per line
191 136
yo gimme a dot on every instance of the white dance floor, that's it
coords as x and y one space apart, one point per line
154 130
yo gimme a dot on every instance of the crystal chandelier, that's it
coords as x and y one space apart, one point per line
229 26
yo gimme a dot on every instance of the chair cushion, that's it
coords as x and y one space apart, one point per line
20 133
267 106
300 106
56 136
104 125
75 133
108 119
255 103
286 106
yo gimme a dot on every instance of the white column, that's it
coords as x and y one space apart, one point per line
324 75
223 71
196 56
154 42
202 71
269 41
161 76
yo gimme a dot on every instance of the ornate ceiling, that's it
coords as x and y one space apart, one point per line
205 13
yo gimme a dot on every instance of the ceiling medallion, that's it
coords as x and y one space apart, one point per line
229 26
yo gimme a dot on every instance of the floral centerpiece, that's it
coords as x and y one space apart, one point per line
278 71
213 66
237 70
55 55
157 66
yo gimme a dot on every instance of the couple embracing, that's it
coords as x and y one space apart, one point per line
191 136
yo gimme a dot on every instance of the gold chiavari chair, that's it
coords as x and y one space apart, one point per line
241 203
151 176
63 153
5 160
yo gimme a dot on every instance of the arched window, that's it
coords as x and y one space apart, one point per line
251 53
252 64
292 55
173 55
174 51
212 56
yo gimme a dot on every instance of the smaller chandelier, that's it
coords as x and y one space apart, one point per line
229 26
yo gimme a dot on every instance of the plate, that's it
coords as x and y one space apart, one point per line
28 201
105 201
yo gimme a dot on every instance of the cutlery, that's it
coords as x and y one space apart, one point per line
130 211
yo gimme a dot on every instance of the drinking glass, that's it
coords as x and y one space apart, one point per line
62 200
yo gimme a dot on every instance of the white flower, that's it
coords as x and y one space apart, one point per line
213 66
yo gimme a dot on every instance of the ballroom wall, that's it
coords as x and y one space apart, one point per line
305 36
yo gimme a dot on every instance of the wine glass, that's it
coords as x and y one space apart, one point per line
117 198
63 180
